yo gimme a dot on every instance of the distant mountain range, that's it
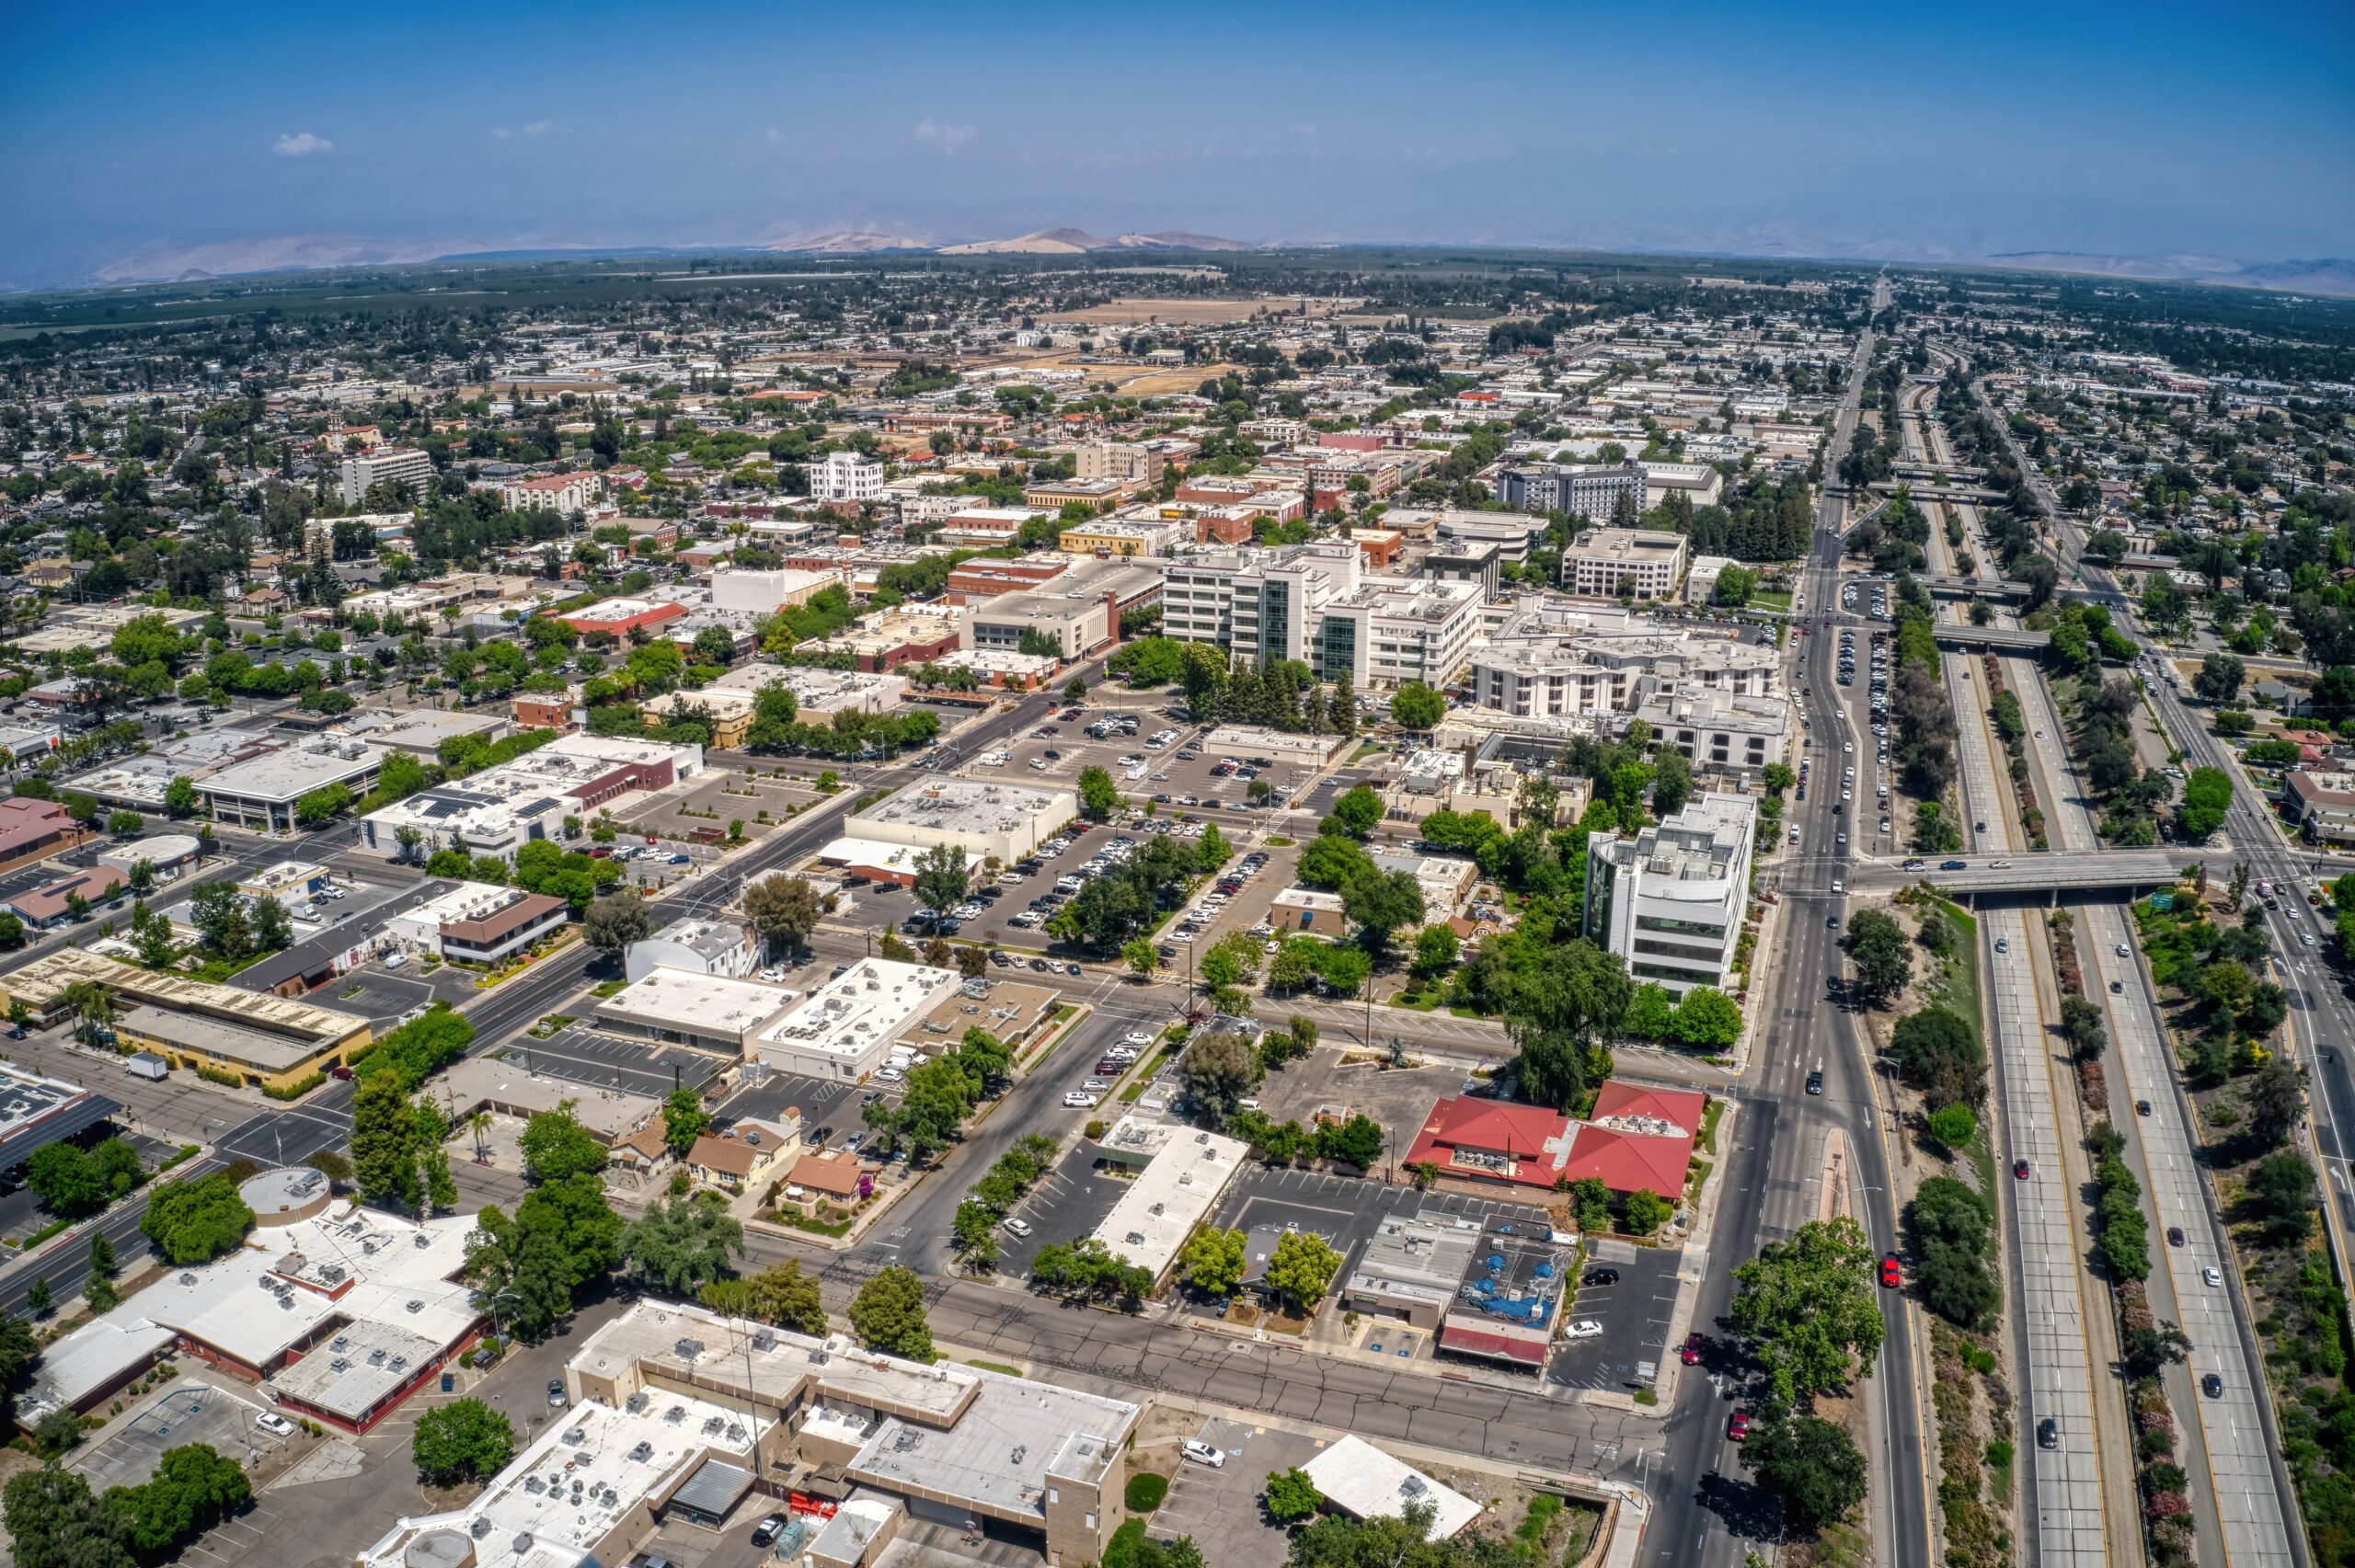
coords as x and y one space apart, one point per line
127 259
2329 275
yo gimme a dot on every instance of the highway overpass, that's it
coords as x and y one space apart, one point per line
2003 590
1997 639
1974 495
2044 875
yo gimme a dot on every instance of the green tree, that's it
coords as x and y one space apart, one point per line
888 1314
180 797
1218 1068
780 1294
2207 796
1671 782
383 1135
1706 1019
1953 1126
941 878
1953 1239
463 1440
556 1146
1435 950
1213 1260
1416 706
1140 954
1301 1268
1806 1308
2220 679
1939 1052
196 1219
684 1119
616 920
1099 796
1558 1013
1646 1211
1290 1496
1331 859
682 1244
783 909
1380 902
1355 812
1812 1464
54 1520
1884 957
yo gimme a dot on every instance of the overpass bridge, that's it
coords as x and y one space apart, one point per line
1917 469
2001 589
1972 494
1963 637
2047 875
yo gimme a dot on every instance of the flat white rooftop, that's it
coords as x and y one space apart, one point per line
1162 1206
873 1000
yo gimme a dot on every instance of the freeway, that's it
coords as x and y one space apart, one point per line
2246 1506
2086 1478
1782 1146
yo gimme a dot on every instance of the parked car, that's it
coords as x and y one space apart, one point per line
1195 1451
1694 1344
1081 1101
556 1394
1892 1276
1016 1227
274 1424
1585 1328
769 1529
1738 1428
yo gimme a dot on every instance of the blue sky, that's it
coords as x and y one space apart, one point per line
1806 129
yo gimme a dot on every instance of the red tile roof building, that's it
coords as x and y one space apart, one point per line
26 825
1637 1138
1490 1140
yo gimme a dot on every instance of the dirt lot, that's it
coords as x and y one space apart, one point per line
1190 312
760 803
1133 381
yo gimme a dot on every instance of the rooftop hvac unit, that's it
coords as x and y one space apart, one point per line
479 1529
340 1363
688 1349
763 1339
376 1357
636 1403
675 1415
417 1305
643 1452
535 1485
187 1279
576 1437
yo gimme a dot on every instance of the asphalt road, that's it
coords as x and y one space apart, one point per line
1711 1514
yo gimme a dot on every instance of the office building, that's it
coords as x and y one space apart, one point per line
1258 604
1078 611
1637 1139
262 791
765 593
1511 533
844 1030
1719 731
846 478
696 947
476 922
1492 1142
1176 1192
1617 562
1130 461
1598 492
500 809
1671 900
386 465
1390 631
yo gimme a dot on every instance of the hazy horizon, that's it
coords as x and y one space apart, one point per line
1843 132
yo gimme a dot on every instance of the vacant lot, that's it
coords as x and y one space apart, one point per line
1190 312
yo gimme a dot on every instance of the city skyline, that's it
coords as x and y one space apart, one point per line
272 138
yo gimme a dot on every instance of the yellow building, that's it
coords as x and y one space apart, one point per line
731 712
1109 538
265 1041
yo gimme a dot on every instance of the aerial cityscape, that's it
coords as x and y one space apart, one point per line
978 831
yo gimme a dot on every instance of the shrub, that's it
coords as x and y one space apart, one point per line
1146 1490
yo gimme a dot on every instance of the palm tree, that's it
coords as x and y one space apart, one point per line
92 1003
479 1123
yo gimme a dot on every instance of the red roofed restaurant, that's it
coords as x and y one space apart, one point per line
1490 1140
1637 1139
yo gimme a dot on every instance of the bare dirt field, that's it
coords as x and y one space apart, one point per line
1134 381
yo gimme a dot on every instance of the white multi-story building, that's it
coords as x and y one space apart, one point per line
846 476
1129 460
1258 604
553 492
1392 631
1645 562
387 464
1718 730
1670 901
1543 663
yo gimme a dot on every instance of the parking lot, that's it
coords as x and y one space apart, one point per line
1069 1202
188 1411
1220 1507
630 1063
1400 1099
822 1102
721 796
1178 775
384 996
1634 1313
1346 1211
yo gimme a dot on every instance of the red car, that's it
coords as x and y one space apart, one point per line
1738 1428
1692 1350
1890 1278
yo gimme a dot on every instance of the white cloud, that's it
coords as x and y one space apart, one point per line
301 145
500 134
946 137
539 128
